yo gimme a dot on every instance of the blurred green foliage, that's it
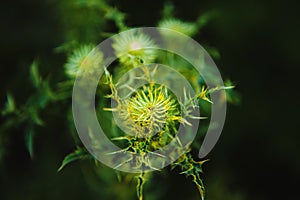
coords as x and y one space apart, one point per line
86 27
254 40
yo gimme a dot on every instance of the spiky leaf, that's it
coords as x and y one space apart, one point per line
29 141
10 106
78 154
34 74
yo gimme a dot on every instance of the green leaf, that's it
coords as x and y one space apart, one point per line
117 16
29 141
192 168
66 47
168 10
45 94
10 106
206 17
220 88
34 74
33 113
213 52
78 154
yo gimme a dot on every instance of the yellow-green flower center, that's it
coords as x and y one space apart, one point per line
150 110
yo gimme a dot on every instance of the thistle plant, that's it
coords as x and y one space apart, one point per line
152 115
146 118
149 116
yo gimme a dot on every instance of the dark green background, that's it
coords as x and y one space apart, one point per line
257 156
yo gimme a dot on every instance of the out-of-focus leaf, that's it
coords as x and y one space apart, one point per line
168 10
206 17
29 141
213 52
78 154
43 96
46 93
35 117
117 16
67 47
232 96
34 74
10 105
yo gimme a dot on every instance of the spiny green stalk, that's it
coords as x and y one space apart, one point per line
152 109
189 167
139 188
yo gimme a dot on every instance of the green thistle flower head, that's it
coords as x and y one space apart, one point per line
133 49
83 61
186 28
150 110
